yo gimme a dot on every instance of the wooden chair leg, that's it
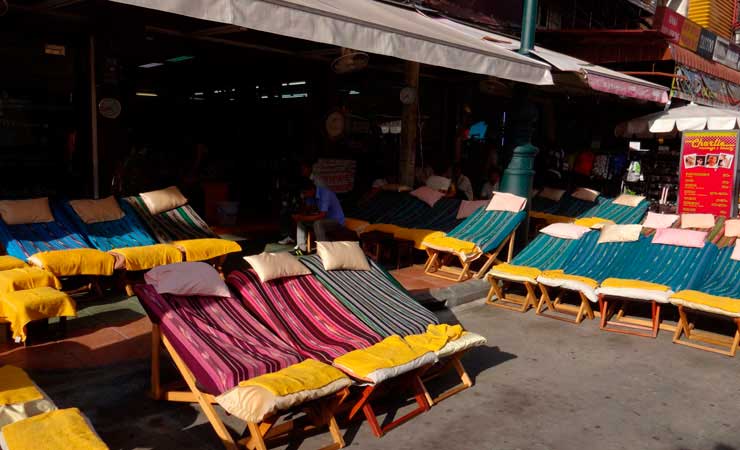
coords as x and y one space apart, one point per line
510 253
156 387
256 436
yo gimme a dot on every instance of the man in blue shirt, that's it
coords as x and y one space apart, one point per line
324 213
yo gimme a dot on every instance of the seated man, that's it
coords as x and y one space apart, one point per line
322 211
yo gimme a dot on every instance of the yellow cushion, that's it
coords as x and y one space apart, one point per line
355 225
560 275
207 248
418 235
27 278
148 256
16 386
729 304
633 284
436 337
307 375
440 241
517 271
78 261
593 222
21 307
8 262
62 429
94 211
389 353
384 227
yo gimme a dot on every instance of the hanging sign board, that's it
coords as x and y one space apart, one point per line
337 174
690 33
707 41
669 23
708 166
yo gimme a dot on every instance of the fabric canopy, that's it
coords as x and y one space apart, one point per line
365 25
596 77
685 118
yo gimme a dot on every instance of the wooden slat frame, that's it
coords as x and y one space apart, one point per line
556 309
624 325
512 302
453 362
727 345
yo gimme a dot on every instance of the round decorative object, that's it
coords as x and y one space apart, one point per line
408 95
335 124
110 108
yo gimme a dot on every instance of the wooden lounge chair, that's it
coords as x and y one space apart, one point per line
379 301
482 235
232 346
319 327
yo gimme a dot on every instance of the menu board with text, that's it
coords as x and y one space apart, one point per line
708 166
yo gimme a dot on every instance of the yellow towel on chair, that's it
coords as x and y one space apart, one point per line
729 304
16 386
207 248
56 430
633 284
593 222
77 261
8 262
440 241
21 307
559 274
436 337
27 278
391 352
356 225
147 257
307 375
519 271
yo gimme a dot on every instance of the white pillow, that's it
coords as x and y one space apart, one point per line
270 266
343 255
18 212
438 183
163 200
736 252
565 230
552 194
629 200
187 278
503 201
620 233
697 221
587 195
656 220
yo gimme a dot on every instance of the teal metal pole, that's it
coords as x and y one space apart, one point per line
529 25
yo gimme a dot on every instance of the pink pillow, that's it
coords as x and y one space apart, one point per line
680 238
187 278
655 220
427 195
503 201
565 230
467 207
732 228
736 253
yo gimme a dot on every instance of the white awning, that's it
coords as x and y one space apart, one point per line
685 118
598 78
365 25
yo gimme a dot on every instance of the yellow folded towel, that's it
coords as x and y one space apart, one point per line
27 278
593 222
520 271
442 242
728 304
8 262
436 337
16 386
391 352
21 307
72 262
307 375
148 256
55 430
560 275
622 283
205 249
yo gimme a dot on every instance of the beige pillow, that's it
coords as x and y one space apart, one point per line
271 266
732 228
552 194
94 211
163 199
587 195
697 221
17 212
620 233
346 255
629 200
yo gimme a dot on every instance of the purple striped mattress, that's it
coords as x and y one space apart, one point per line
221 343
301 311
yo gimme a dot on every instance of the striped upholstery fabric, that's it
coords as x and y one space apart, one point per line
620 214
673 266
723 277
442 216
375 298
487 229
546 253
128 231
178 224
23 241
599 261
545 205
217 338
568 206
303 313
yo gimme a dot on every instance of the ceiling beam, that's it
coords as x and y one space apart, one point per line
55 4
219 30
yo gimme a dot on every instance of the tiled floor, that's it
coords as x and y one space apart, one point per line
117 330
